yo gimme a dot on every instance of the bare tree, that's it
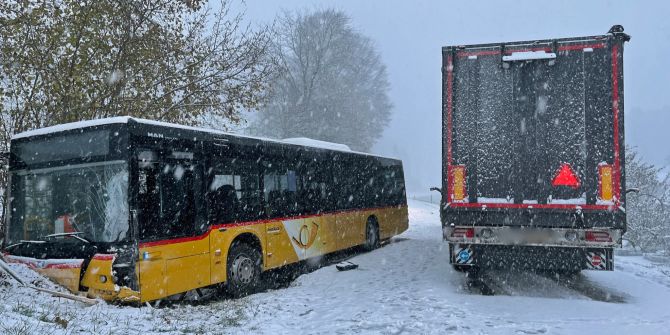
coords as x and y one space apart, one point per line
332 86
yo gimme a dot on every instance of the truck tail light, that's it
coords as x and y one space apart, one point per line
458 183
463 232
598 236
605 182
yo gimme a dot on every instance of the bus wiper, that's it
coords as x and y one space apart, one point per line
25 242
74 234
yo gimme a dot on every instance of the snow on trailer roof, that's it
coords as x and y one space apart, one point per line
528 55
302 141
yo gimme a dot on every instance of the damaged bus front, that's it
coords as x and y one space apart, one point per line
69 216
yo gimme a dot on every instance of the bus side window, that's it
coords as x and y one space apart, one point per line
178 198
148 198
369 182
166 197
222 198
339 187
348 174
393 185
386 186
233 192
313 177
281 192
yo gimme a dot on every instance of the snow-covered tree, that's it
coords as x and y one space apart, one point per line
70 60
647 210
333 85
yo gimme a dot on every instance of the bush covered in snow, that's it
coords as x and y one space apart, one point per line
647 210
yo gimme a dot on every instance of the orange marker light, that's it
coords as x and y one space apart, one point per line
458 182
605 182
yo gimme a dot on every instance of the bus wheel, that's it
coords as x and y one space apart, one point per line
371 235
244 269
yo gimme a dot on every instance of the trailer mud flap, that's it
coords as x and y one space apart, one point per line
599 259
461 254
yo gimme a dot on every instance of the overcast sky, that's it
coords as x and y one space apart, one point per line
409 35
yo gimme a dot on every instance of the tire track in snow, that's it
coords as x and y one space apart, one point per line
541 285
581 284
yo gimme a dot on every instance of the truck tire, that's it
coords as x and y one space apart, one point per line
244 269
569 273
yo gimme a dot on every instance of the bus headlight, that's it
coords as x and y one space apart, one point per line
103 279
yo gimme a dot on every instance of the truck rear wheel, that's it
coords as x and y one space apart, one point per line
569 273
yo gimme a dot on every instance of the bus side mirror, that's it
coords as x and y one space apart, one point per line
436 189
633 190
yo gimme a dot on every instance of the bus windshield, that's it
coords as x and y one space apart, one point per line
88 200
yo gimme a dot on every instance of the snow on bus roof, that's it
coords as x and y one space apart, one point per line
303 141
308 142
72 125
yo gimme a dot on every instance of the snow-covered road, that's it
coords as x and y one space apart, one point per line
405 287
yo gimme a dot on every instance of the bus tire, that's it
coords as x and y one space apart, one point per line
371 235
244 269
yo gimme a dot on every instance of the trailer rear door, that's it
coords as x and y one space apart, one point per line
534 124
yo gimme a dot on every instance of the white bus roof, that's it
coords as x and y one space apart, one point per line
303 141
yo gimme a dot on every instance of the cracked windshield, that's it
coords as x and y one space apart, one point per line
86 201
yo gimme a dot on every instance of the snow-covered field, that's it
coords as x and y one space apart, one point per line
405 287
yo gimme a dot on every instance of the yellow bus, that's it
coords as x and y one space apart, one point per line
134 210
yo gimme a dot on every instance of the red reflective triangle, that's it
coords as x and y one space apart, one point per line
566 177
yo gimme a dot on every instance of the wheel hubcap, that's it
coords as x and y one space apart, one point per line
243 269
372 236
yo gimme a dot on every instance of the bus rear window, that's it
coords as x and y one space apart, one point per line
64 147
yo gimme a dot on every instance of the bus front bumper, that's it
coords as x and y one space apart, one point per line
96 282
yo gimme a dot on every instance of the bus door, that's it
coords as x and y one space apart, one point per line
174 253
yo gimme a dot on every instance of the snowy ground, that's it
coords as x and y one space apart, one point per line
404 287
